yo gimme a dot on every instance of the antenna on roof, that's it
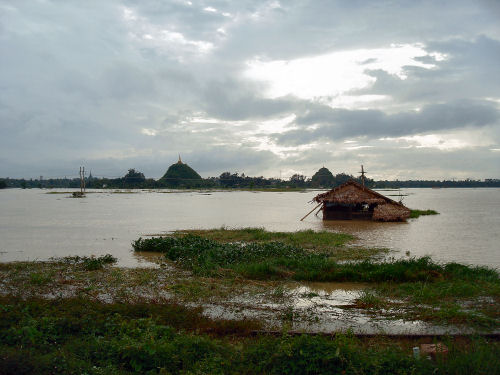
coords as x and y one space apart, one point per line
401 197
363 172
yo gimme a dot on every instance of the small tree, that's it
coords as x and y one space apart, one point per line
298 180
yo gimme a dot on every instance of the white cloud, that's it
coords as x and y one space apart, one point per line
460 139
333 75
150 132
166 40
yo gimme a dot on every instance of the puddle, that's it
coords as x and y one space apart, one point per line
320 308
149 259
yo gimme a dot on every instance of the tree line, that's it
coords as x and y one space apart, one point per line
323 179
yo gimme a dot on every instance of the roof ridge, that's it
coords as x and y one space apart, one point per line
357 184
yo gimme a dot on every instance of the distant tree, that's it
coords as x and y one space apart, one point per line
3 184
341 178
231 180
133 178
298 180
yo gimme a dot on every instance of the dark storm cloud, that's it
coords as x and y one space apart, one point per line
468 71
339 124
233 100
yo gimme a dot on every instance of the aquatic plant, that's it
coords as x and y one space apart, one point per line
417 213
277 260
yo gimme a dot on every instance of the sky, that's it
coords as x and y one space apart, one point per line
410 89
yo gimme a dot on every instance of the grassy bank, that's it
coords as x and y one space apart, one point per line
74 336
270 260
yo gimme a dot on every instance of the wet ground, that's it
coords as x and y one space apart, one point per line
299 307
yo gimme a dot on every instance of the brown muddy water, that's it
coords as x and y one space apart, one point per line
37 224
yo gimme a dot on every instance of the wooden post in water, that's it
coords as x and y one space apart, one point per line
83 178
81 185
81 194
311 211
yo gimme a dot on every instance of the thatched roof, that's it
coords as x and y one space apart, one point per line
352 192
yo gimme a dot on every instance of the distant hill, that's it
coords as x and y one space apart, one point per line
323 178
179 174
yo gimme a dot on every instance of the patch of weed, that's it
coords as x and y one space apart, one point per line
41 278
368 299
417 213
91 263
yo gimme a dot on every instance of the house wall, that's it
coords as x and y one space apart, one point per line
336 212
333 211
391 212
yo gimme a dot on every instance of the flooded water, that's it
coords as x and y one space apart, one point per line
37 224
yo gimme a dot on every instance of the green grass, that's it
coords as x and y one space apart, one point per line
416 213
41 278
278 260
83 337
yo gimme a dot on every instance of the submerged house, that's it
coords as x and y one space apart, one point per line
352 200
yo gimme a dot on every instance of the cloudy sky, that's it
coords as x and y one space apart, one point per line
410 89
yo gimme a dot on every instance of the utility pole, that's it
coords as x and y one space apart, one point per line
81 185
82 180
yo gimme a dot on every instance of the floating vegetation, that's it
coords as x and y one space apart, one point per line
277 260
416 213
